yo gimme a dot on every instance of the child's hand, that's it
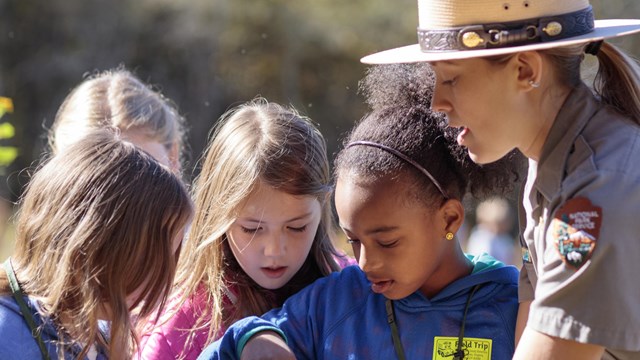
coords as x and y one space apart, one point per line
266 345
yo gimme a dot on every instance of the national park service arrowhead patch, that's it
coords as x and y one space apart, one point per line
575 228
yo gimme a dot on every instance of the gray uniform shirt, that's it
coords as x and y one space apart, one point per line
580 229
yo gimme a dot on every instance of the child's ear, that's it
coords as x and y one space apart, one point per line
452 214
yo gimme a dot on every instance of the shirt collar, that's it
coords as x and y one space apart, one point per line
579 107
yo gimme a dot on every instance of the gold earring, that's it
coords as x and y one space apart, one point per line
449 236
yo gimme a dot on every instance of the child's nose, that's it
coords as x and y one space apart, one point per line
275 245
367 261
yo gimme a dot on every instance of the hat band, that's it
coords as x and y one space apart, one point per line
489 36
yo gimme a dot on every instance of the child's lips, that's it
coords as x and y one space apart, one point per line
380 287
274 272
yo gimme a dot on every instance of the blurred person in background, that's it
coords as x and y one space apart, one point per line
492 232
118 99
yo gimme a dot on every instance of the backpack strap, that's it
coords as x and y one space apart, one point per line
24 309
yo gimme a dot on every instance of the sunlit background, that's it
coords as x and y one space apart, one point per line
206 56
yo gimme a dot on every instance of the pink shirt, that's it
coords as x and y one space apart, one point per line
166 339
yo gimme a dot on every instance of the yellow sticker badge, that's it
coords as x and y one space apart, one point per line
445 347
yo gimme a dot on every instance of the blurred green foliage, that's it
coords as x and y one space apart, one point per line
205 55
7 132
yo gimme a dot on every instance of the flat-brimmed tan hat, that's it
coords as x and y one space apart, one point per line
460 29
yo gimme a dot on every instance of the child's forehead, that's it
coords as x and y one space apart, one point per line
376 181
268 203
390 193
375 208
375 190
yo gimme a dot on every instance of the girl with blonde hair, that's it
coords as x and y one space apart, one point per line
508 76
400 183
98 237
118 99
263 227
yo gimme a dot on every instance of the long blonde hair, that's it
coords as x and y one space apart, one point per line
255 142
117 99
97 223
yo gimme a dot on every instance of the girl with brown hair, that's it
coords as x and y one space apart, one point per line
98 237
263 228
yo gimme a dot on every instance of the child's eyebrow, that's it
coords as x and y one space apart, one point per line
377 230
258 220
305 215
381 229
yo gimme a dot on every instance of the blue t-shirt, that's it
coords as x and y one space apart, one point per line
339 317
16 340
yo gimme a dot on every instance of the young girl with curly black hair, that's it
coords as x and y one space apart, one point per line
400 182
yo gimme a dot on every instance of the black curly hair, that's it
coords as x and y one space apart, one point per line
399 96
